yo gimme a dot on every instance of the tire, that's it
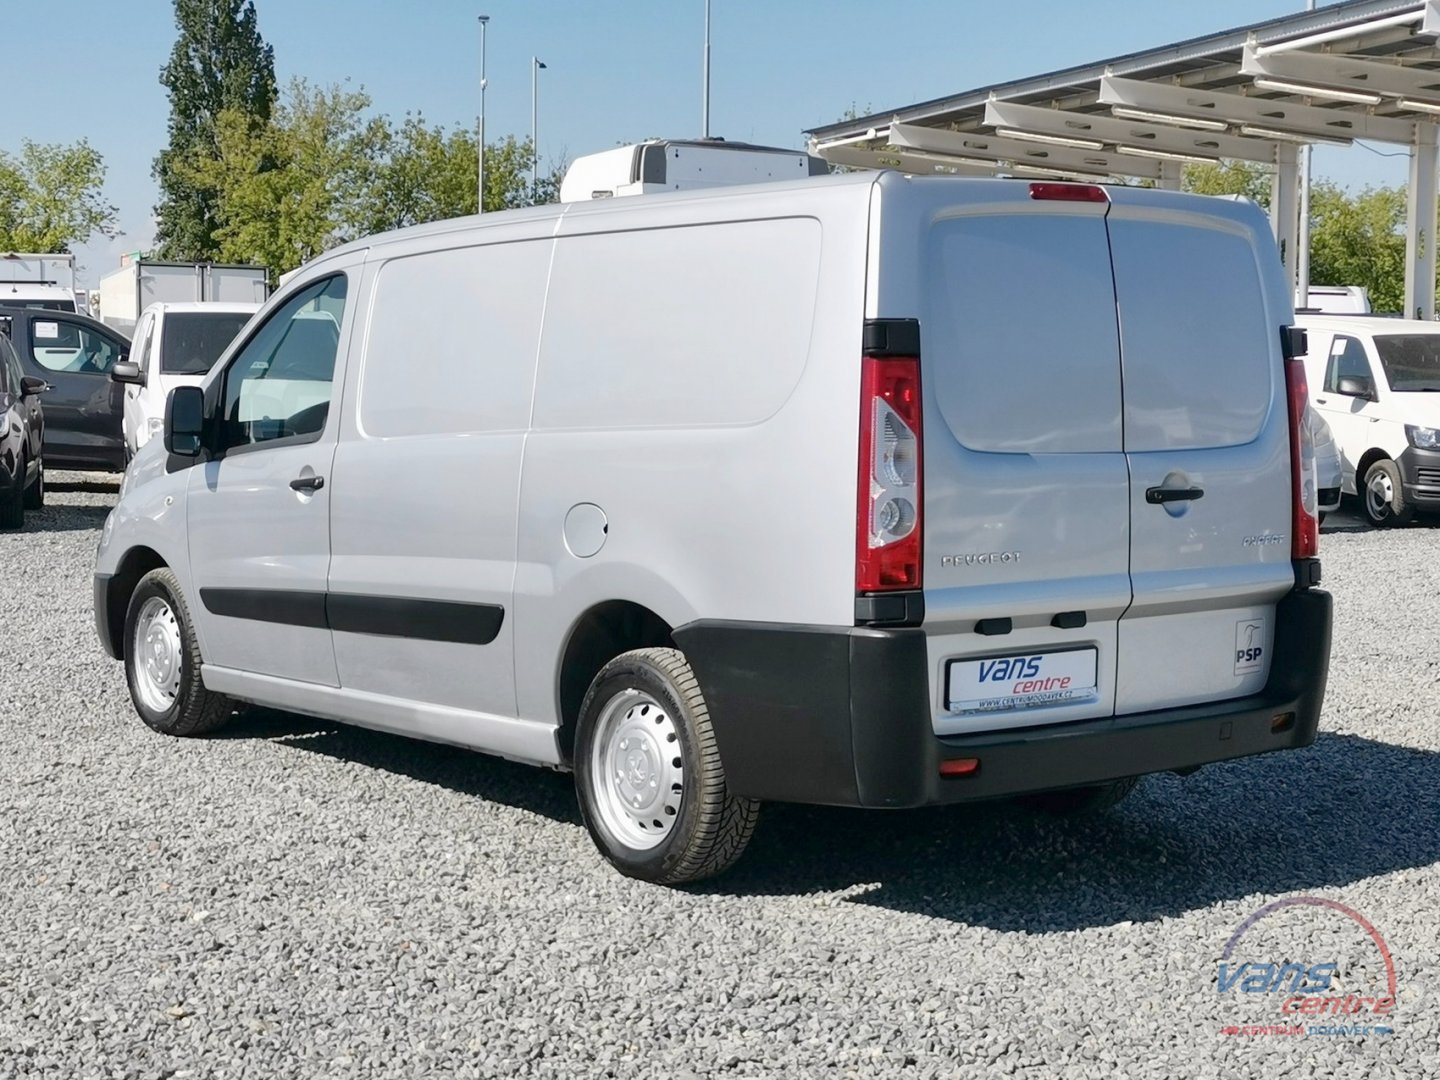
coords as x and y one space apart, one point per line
1383 495
12 501
1082 800
689 826
35 493
166 687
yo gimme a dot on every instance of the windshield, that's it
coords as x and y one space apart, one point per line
1411 361
193 341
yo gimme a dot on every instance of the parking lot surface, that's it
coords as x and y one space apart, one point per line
295 898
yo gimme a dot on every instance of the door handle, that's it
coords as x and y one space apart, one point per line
1159 495
1321 401
307 483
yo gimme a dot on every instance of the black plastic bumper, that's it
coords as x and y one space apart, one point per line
102 616
843 717
1420 476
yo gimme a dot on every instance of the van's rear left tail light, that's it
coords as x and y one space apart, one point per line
889 520
1304 518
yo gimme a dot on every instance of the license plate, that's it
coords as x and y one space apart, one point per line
1024 681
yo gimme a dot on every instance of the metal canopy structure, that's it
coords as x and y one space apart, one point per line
1357 70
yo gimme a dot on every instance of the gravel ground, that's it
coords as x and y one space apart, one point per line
296 899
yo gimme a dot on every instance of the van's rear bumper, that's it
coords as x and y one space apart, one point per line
843 717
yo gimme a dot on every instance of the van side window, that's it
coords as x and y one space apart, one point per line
1347 361
279 384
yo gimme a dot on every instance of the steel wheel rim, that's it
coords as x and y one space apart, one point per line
1378 494
157 655
637 770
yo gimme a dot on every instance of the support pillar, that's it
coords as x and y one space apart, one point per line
1284 208
1171 173
1420 226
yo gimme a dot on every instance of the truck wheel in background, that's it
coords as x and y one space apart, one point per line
1082 800
35 493
162 661
648 774
1384 495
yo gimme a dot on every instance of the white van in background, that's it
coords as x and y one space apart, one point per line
174 345
847 490
1376 382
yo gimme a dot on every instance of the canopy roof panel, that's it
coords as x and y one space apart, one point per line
1361 69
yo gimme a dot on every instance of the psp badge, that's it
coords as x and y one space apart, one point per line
1249 646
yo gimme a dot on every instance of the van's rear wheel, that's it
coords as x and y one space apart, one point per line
651 787
1384 495
162 661
1090 799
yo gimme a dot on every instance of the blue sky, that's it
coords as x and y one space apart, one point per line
617 72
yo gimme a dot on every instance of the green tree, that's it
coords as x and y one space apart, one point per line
1359 240
429 174
219 64
288 191
50 197
1230 178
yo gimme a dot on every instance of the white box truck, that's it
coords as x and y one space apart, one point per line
126 292
37 281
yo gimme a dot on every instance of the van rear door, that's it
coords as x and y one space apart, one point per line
1026 504
1206 437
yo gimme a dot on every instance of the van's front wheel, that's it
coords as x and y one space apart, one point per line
651 787
162 661
1384 495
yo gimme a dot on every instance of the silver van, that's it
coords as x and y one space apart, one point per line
864 490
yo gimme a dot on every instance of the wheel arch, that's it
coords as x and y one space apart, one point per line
134 565
1362 466
600 634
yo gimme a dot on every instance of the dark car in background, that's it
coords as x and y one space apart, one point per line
73 354
22 440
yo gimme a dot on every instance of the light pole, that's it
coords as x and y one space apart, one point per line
535 68
480 189
1302 238
705 107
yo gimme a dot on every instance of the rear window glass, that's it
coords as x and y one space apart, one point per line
1020 343
41 305
191 342
1198 351
1411 361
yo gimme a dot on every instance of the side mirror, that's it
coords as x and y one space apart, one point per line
126 372
1356 387
31 386
185 421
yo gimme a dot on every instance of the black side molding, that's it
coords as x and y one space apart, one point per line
286 606
390 616
427 620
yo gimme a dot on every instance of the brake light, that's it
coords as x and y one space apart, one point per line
1304 521
1069 192
888 526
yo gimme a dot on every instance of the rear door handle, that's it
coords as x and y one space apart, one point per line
307 483
1158 495
1321 401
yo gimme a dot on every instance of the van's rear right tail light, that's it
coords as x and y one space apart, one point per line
1304 517
890 508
